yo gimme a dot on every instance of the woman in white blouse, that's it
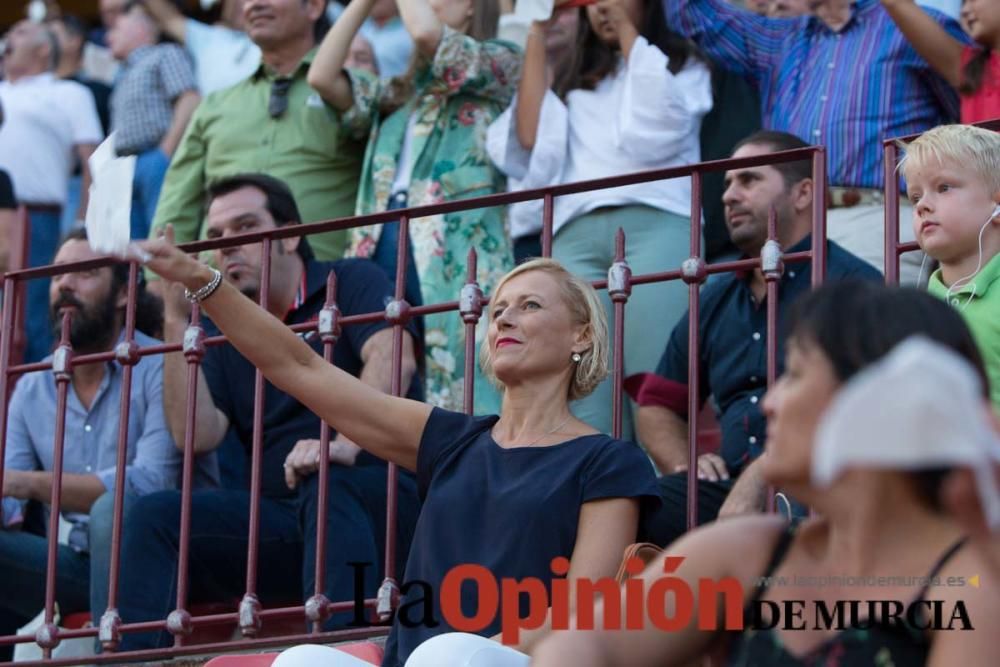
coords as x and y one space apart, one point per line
626 103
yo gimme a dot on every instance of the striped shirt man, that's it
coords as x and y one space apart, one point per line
848 89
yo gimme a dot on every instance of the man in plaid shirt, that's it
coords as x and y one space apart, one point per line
151 105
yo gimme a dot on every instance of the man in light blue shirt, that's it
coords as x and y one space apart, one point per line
96 299
223 53
390 41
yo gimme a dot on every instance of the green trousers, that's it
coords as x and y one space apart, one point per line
655 240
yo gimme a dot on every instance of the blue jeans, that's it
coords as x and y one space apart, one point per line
219 527
101 525
68 220
150 170
44 242
669 521
23 557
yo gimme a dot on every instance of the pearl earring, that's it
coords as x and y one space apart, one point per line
576 357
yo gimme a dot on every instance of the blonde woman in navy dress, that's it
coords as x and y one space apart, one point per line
508 492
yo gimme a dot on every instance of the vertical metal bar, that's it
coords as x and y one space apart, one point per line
470 307
20 244
6 341
547 205
401 316
398 314
317 607
62 367
179 620
619 289
127 355
819 216
771 267
890 155
695 245
694 275
819 245
250 620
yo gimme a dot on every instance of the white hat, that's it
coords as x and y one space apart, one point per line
920 407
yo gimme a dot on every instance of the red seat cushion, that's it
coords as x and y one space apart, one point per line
367 651
75 621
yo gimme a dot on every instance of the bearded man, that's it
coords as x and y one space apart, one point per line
95 300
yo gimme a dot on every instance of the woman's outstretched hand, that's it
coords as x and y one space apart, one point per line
170 263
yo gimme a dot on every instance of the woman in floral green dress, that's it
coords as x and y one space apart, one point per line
427 145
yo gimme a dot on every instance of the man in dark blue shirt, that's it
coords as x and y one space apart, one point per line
290 456
733 335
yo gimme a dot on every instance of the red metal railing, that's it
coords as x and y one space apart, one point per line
18 247
250 616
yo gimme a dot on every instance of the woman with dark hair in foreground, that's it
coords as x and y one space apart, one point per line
870 522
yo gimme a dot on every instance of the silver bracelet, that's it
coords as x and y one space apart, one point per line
205 291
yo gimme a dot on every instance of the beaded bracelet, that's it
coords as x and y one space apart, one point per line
205 291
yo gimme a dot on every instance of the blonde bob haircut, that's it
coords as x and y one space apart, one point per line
585 308
956 145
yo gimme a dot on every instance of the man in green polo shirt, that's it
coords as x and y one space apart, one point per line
271 123
953 179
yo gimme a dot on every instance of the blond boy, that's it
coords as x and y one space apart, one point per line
953 178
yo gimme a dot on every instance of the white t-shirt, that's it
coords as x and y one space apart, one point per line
404 165
641 117
952 8
45 118
222 56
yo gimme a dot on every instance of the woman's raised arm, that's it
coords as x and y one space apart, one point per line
531 89
387 426
942 51
326 74
423 25
735 549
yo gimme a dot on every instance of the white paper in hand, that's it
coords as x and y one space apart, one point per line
109 210
534 10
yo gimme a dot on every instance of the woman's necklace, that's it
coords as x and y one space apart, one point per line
547 433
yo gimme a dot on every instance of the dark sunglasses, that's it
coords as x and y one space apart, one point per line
278 104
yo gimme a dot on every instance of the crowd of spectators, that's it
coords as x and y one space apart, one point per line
295 111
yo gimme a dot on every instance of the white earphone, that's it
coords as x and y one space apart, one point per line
961 282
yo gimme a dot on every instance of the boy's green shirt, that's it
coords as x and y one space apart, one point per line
979 302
